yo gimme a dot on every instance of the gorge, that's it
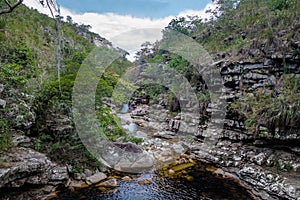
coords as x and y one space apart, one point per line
217 118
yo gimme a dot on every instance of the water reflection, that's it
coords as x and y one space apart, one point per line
205 185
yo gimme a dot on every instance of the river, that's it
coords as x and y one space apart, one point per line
203 185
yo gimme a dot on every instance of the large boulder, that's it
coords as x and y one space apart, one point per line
25 166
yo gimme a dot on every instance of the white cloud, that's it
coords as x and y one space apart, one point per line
124 31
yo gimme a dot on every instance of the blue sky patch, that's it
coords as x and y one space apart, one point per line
137 8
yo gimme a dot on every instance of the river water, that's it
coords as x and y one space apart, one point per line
204 185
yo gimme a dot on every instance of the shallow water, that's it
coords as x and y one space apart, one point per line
125 108
205 185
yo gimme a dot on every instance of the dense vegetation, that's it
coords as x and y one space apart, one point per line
38 100
247 31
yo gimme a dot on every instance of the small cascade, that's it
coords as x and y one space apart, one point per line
125 108
130 127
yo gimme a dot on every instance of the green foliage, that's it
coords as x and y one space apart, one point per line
134 140
28 55
179 25
76 169
20 66
110 124
278 4
275 111
37 144
179 64
226 5
158 58
5 137
257 20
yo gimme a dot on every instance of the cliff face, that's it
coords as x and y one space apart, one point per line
256 48
255 154
260 140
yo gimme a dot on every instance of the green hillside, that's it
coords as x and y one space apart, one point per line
33 48
248 32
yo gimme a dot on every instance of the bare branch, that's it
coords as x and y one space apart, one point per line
48 5
10 7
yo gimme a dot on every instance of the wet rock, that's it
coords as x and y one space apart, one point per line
76 184
96 178
145 182
126 178
112 183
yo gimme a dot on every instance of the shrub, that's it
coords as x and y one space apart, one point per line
278 108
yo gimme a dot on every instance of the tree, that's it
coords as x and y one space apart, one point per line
69 19
8 6
224 6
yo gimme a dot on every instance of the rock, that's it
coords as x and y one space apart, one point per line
171 171
58 174
96 178
21 140
126 157
262 180
282 33
145 182
1 88
59 124
296 167
140 134
174 125
76 184
259 159
139 112
88 172
112 183
27 166
77 176
126 178
129 147
2 103
164 134
178 148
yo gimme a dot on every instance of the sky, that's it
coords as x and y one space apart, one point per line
127 23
